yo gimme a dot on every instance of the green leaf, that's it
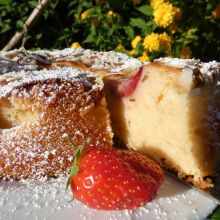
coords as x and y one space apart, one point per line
216 214
45 14
38 36
150 27
73 144
138 22
129 31
92 36
75 167
19 24
5 28
33 4
5 2
72 4
99 39
111 31
146 9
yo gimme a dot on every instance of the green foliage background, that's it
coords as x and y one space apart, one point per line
61 24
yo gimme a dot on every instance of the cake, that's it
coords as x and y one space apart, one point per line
39 111
167 109
170 111
46 96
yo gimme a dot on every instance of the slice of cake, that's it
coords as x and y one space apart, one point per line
38 111
170 111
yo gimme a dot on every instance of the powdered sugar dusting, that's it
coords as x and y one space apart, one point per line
205 68
26 155
112 61
210 67
180 63
109 61
48 200
16 79
52 104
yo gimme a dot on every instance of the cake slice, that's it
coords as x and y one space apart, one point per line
170 111
38 111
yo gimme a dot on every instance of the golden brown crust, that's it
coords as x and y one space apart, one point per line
164 68
51 110
203 183
76 65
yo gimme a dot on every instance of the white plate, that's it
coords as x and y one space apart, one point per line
48 200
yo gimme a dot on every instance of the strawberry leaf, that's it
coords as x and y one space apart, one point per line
75 167
73 144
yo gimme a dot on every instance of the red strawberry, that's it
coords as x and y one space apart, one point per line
125 87
112 179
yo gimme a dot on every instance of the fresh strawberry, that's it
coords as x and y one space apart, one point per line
113 179
125 87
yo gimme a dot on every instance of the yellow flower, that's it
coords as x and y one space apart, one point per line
136 1
132 52
164 14
144 57
152 42
135 41
111 13
185 52
165 41
75 45
120 47
156 42
84 15
156 3
216 12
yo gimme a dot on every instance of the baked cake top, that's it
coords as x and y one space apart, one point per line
206 68
111 61
10 81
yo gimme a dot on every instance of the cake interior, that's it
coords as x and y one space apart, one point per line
15 113
167 119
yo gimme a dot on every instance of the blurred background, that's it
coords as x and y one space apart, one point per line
142 29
